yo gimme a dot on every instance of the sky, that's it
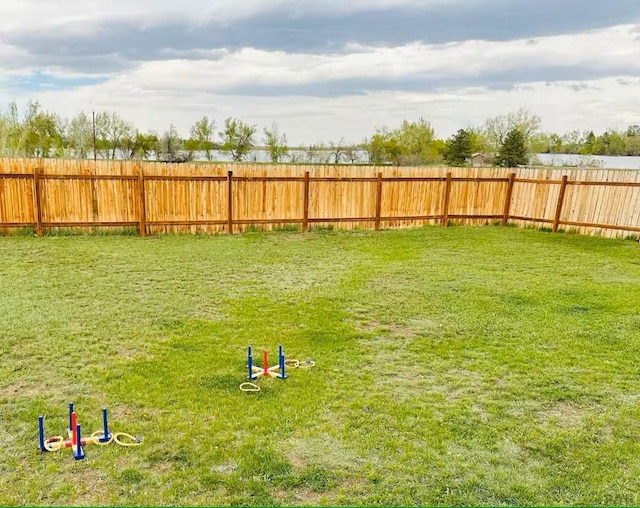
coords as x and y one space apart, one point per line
326 70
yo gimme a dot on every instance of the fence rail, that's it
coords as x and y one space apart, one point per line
156 197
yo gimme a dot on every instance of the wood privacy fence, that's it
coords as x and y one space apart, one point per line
157 197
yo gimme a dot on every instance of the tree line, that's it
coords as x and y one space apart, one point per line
506 140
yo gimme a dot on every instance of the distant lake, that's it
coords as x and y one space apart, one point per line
321 156
607 161
547 159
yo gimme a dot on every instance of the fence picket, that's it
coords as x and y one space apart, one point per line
193 197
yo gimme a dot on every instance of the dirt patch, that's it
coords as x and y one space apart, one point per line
403 381
411 328
225 468
296 460
91 487
305 496
22 388
401 372
29 388
564 414
325 451
368 325
127 413
415 379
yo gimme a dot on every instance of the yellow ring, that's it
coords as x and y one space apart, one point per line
95 439
249 387
299 364
55 445
134 440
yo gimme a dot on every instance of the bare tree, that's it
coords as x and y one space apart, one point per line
318 154
296 157
353 154
497 128
338 150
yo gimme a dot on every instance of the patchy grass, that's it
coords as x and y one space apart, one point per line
453 366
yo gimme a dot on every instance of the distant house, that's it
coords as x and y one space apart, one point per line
478 160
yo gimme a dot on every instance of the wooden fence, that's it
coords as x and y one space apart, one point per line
156 197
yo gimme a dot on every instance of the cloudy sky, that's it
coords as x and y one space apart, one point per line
326 69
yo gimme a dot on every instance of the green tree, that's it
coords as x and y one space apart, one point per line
610 142
589 143
36 133
556 144
572 141
146 144
111 129
513 151
238 138
633 131
276 143
202 133
412 143
139 146
417 142
383 147
479 143
80 135
5 133
459 148
632 140
17 130
540 143
43 134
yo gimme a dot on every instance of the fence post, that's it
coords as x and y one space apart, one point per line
94 195
378 200
563 189
142 227
507 202
230 202
447 196
37 200
305 220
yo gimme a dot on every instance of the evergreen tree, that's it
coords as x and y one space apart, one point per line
459 148
513 150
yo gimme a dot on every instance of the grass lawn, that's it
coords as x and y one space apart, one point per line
462 365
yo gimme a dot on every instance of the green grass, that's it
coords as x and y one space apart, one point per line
453 366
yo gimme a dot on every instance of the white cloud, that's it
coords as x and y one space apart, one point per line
13 59
612 49
452 83
18 15
605 103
